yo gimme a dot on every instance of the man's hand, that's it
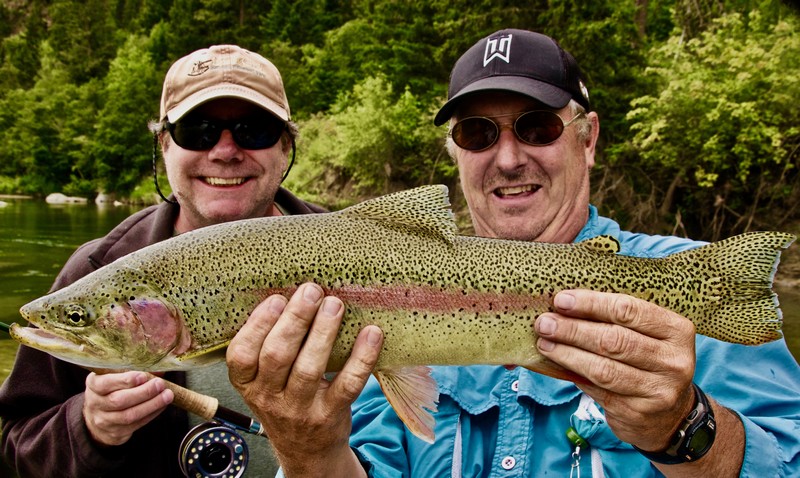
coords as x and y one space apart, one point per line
117 404
639 358
277 362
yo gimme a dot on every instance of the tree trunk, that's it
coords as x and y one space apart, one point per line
640 18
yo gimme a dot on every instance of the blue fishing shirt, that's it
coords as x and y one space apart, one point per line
494 422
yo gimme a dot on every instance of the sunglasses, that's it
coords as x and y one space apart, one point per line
201 134
536 128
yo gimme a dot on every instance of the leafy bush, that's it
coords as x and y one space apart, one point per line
370 144
724 127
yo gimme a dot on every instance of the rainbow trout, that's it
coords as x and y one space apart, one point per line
396 262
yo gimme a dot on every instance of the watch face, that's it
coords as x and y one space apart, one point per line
700 441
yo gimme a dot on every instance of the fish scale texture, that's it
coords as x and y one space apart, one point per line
397 262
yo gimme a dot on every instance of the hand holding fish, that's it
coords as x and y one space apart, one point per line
278 361
639 359
117 404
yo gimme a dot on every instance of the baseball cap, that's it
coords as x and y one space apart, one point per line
518 61
222 71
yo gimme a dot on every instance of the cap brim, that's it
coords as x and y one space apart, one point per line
226 91
551 96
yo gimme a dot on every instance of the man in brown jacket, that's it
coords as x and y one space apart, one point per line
225 133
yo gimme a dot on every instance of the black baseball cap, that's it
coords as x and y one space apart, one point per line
518 61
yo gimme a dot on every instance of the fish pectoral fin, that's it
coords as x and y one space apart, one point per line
413 394
205 356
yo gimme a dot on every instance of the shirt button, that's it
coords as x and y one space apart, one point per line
508 462
515 386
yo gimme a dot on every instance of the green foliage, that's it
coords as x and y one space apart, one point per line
195 24
695 96
20 62
80 187
83 36
604 46
384 38
145 192
49 127
19 48
8 185
693 17
724 122
370 143
302 22
140 16
122 150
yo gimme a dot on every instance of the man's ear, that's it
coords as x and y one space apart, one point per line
590 144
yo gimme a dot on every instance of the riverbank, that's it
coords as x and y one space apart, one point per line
15 196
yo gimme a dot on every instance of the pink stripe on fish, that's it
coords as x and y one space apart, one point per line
430 299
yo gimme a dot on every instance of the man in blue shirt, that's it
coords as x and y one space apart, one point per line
661 400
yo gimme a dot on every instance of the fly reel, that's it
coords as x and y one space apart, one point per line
213 450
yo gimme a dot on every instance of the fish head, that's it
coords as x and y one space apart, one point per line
117 322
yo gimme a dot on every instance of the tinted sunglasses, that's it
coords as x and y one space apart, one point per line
201 134
536 128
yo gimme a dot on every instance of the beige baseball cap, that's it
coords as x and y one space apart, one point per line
222 71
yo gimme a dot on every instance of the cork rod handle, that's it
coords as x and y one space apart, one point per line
201 405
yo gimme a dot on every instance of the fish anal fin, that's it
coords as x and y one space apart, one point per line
604 244
413 394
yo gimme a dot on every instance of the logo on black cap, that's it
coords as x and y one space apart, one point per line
499 47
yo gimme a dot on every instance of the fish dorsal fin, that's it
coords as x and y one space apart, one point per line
425 209
604 244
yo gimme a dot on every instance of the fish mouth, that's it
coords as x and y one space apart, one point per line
224 182
56 342
516 191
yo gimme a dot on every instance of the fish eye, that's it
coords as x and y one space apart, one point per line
75 315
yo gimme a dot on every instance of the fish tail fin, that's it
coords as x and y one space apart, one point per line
413 394
740 304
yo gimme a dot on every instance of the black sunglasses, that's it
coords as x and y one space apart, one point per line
536 128
252 132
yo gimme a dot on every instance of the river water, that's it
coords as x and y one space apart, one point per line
38 238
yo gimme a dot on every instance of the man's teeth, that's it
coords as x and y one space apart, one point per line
224 181
514 190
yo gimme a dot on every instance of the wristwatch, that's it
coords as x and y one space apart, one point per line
693 439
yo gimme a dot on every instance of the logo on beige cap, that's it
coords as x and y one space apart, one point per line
200 67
